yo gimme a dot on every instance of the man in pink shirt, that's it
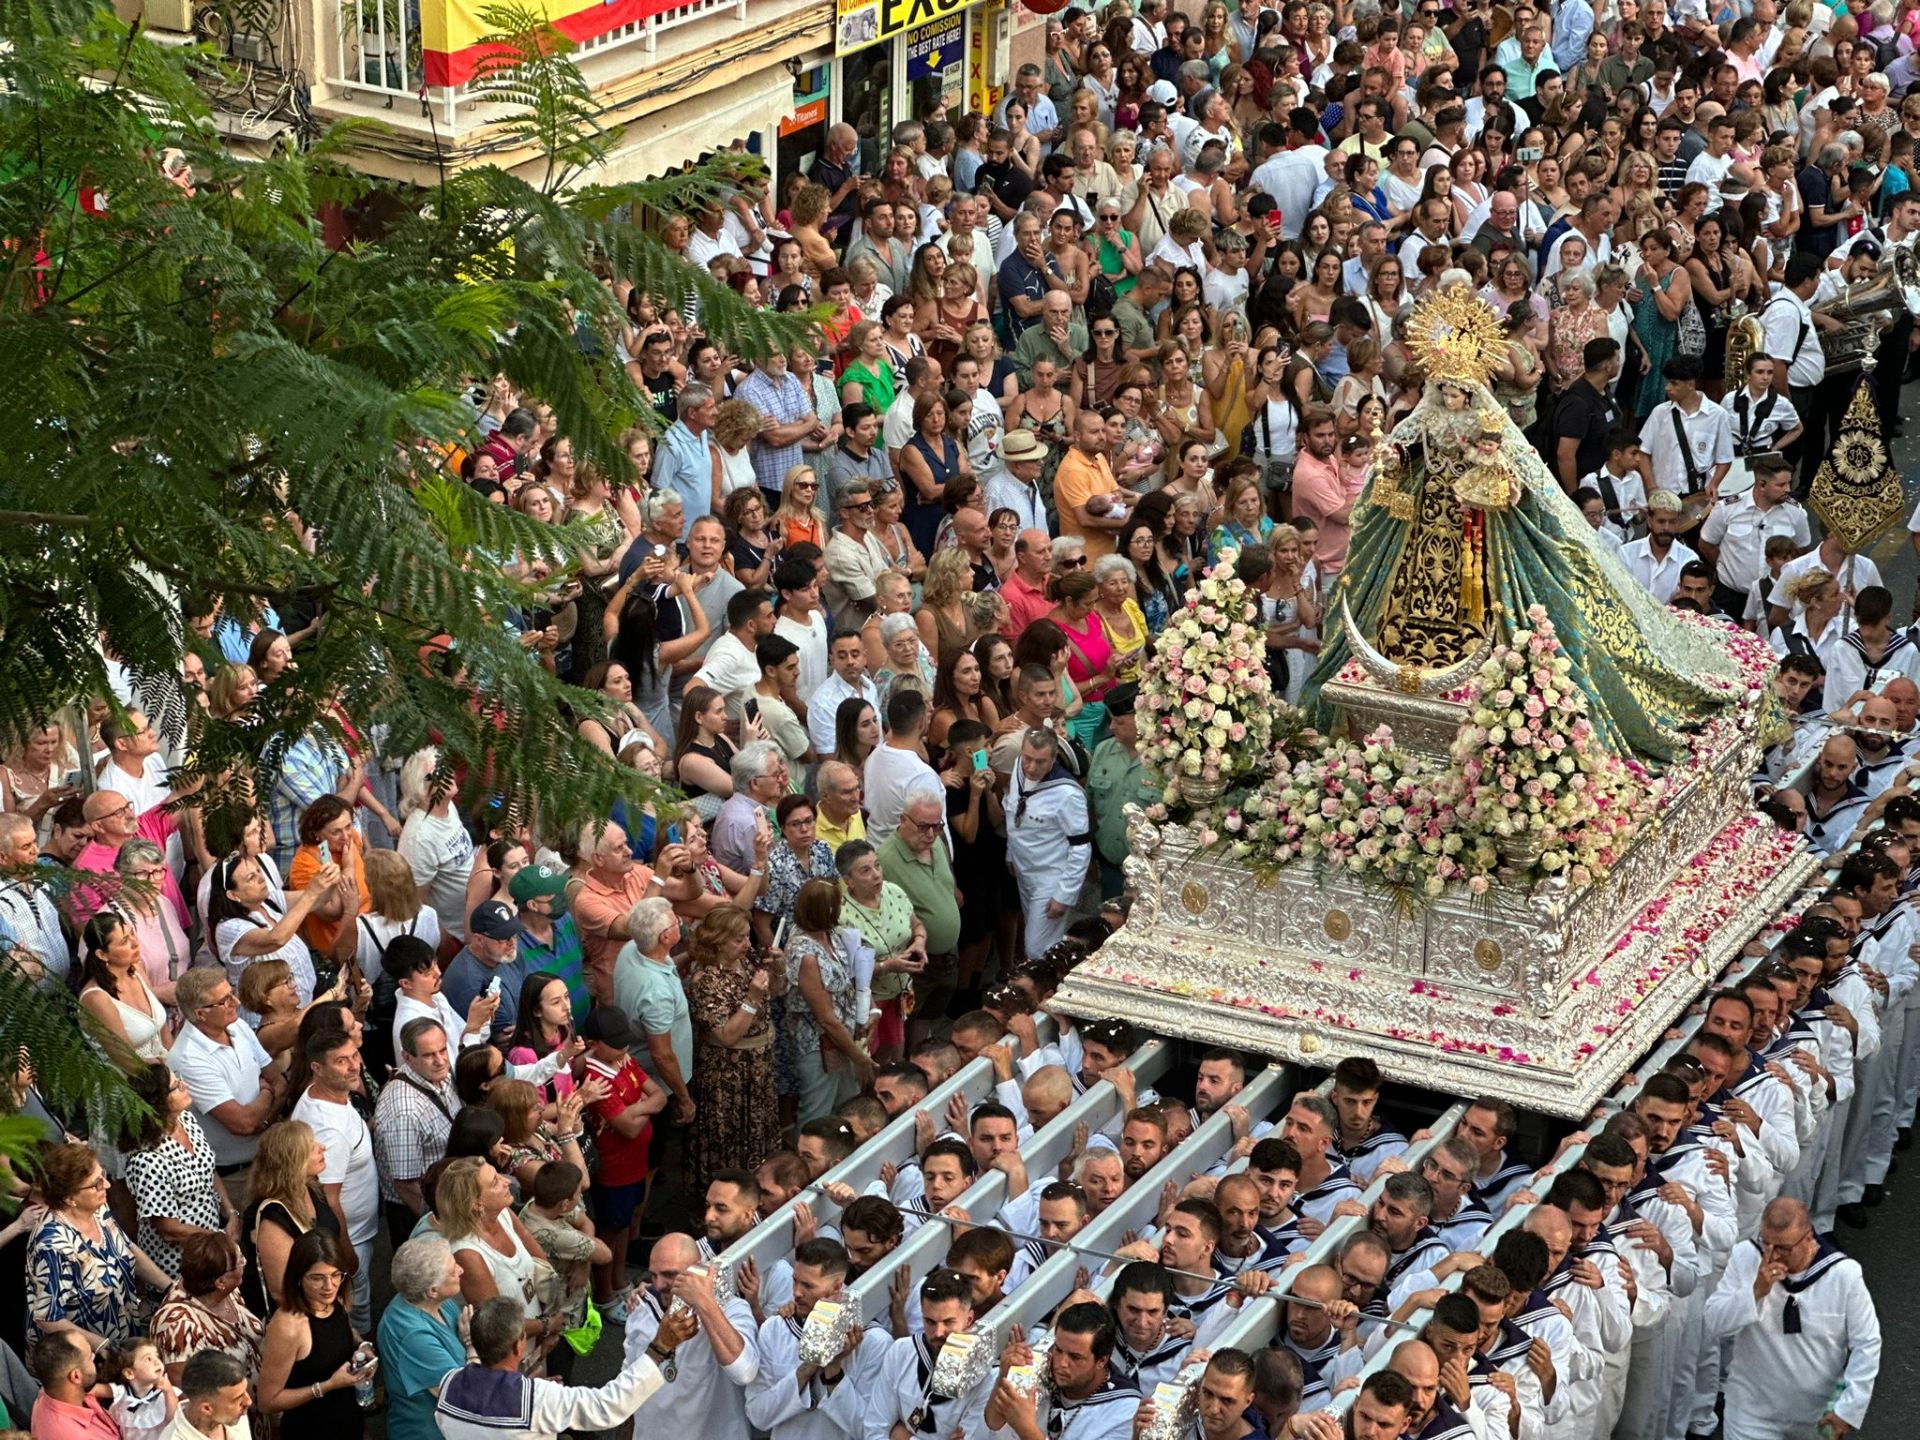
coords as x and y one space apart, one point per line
1025 590
66 1410
113 821
1324 492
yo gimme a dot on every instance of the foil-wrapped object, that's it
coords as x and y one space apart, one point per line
829 1323
963 1362
1176 1406
1028 1378
722 1275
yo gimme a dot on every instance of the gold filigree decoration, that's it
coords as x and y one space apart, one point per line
1456 337
1193 896
1423 622
1857 493
1337 924
1488 955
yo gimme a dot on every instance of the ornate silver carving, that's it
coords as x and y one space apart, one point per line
1518 995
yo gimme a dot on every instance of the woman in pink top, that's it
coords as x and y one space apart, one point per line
1089 652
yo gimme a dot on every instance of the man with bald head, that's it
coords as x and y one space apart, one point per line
1805 1349
1587 1275
113 820
1434 1416
1835 801
1316 1333
1882 753
708 1375
1048 1091
1501 225
1246 1244
1904 696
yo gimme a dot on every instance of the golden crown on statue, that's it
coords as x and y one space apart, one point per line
1456 337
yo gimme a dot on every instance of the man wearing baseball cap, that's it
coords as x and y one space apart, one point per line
492 954
549 940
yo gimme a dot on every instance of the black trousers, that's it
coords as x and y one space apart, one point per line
1812 404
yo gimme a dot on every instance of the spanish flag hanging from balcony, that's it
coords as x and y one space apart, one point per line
451 30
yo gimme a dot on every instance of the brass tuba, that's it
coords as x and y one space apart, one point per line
1894 286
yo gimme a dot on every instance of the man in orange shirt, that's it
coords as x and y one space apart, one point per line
1083 474
614 885
1324 491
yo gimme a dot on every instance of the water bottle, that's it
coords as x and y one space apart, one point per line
363 1374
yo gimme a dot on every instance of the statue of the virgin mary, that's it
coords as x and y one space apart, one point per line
1462 528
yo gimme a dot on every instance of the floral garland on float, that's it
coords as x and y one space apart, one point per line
1206 703
1527 792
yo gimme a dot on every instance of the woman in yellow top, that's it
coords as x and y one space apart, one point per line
1223 372
1120 613
869 378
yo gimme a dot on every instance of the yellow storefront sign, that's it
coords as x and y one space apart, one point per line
860 23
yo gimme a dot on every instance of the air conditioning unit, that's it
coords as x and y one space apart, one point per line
157 14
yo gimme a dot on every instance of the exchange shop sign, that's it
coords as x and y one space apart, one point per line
860 23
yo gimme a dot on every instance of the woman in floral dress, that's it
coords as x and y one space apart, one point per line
729 996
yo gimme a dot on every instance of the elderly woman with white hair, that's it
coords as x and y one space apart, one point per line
435 844
420 1335
1570 325
647 987
908 666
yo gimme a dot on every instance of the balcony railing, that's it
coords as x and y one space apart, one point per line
384 50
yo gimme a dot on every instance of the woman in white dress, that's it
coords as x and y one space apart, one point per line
114 990
473 1209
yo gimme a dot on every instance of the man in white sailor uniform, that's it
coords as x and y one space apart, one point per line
1459 1216
1678 1163
1657 1236
1062 1215
1736 1085
1504 1350
1590 1278
1488 1125
1556 1358
1835 801
1145 1349
905 1403
1245 1244
1316 1331
1080 1400
1364 1139
1885 952
1806 951
733 1208
1874 652
1568 1369
1873 882
1399 1217
1883 754
1806 1340
1324 1179
794 1401
707 1377
1049 837
1434 1415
